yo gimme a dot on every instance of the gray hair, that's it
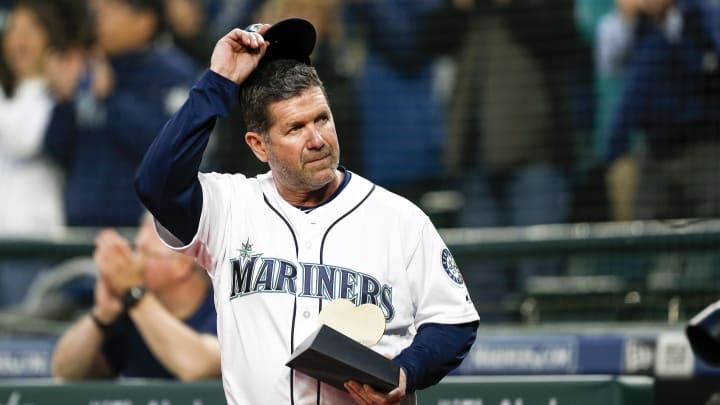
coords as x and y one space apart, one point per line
271 82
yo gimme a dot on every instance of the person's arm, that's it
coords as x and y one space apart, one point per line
615 36
60 133
166 181
78 353
23 122
64 71
446 318
185 352
436 350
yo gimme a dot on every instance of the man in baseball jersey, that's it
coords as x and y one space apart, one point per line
281 244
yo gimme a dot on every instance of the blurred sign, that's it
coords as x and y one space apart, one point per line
674 356
522 355
126 392
540 390
25 357
640 355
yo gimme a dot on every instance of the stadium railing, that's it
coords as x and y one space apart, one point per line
614 301
586 390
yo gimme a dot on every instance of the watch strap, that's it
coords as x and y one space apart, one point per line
133 296
104 327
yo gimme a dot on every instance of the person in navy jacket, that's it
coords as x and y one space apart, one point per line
111 102
672 94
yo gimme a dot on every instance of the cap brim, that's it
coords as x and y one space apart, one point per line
293 38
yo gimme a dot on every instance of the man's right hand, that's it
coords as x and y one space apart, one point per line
63 71
120 268
107 306
238 53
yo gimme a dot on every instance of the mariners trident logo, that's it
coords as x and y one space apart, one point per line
246 251
254 273
448 263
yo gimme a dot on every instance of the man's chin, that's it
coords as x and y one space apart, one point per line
323 177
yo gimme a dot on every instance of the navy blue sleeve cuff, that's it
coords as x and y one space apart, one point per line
436 350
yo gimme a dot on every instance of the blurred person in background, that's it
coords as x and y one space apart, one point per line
5 6
511 139
510 125
31 203
153 316
112 100
401 113
669 51
194 24
613 51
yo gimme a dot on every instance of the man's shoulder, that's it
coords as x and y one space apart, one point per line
387 201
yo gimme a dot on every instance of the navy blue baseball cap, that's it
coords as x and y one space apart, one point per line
292 38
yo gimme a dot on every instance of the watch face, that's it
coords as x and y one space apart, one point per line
132 296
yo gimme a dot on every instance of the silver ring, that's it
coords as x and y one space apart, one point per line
254 27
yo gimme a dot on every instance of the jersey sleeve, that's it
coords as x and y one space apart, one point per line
208 243
437 286
167 180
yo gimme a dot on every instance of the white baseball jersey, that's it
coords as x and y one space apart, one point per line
273 265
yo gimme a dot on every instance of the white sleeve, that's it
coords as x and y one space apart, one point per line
615 37
437 287
24 120
208 244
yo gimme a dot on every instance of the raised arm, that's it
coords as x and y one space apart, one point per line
166 181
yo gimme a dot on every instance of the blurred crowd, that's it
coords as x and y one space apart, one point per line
532 112
486 112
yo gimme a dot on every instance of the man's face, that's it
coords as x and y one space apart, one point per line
302 147
25 43
121 28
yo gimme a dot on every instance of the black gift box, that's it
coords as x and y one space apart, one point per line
334 359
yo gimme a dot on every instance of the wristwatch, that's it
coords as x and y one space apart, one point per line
133 296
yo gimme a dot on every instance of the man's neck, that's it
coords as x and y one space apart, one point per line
311 198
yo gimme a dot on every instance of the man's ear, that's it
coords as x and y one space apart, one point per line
257 144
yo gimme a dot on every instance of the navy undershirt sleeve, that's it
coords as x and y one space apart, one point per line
167 181
436 350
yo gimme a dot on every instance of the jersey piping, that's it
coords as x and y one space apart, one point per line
322 249
292 327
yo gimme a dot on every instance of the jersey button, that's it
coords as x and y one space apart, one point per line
308 245
306 314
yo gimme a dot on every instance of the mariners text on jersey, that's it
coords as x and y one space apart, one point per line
252 273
